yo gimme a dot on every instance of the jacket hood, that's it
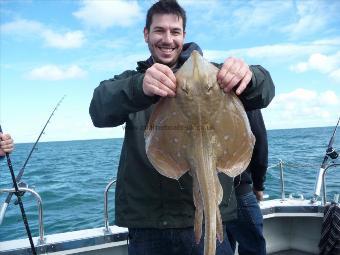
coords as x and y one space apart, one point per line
185 54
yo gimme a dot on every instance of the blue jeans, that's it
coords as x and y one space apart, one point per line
247 230
181 241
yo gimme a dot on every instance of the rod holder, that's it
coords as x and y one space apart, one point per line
321 184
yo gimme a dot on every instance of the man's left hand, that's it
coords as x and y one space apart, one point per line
234 72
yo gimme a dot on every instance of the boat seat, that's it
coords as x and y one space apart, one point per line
290 252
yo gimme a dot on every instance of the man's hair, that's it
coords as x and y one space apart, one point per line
165 7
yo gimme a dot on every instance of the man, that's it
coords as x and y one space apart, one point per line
159 211
247 229
6 144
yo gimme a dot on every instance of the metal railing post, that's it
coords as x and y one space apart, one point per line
324 197
106 214
283 196
40 210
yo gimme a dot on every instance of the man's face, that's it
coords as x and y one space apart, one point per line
165 38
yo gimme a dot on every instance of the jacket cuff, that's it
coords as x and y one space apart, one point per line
138 94
258 187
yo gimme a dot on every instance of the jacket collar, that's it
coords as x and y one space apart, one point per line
185 54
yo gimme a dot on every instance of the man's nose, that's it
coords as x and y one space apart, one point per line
167 37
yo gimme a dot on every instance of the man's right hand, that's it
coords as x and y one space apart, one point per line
258 194
159 80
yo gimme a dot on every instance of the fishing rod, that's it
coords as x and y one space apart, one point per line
330 153
21 172
22 209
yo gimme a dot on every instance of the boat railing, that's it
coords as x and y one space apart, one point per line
282 182
320 186
106 214
324 192
22 190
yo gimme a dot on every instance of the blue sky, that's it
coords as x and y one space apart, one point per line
53 48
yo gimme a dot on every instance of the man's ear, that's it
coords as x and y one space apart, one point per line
146 34
184 33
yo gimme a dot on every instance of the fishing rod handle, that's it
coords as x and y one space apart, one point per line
4 205
6 154
0 140
22 209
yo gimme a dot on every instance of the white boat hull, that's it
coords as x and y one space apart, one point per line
291 226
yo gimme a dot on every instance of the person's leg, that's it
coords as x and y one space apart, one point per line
182 241
231 227
223 248
247 230
160 241
171 242
145 241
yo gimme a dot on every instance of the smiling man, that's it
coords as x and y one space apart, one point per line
159 211
165 37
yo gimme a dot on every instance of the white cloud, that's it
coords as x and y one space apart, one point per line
117 43
269 18
276 52
72 39
322 62
300 67
297 96
301 108
21 26
260 16
330 41
335 75
53 72
105 14
327 64
311 17
118 62
329 98
30 29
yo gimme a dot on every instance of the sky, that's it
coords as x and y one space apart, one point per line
51 48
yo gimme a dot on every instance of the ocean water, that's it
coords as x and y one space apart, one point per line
71 177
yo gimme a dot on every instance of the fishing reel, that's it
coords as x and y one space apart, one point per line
330 152
20 193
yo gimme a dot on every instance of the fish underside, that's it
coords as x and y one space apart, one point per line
205 131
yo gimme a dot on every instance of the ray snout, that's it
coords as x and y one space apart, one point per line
200 72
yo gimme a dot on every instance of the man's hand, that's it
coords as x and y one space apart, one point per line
234 72
258 194
159 80
6 144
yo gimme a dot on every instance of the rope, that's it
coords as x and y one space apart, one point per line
294 164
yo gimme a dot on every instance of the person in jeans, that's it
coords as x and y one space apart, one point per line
159 211
247 229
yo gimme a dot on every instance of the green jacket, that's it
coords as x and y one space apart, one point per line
144 198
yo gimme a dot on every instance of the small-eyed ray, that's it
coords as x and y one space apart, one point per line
205 131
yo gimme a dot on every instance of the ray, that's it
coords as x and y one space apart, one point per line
205 131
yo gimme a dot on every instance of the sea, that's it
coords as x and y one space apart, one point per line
71 177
